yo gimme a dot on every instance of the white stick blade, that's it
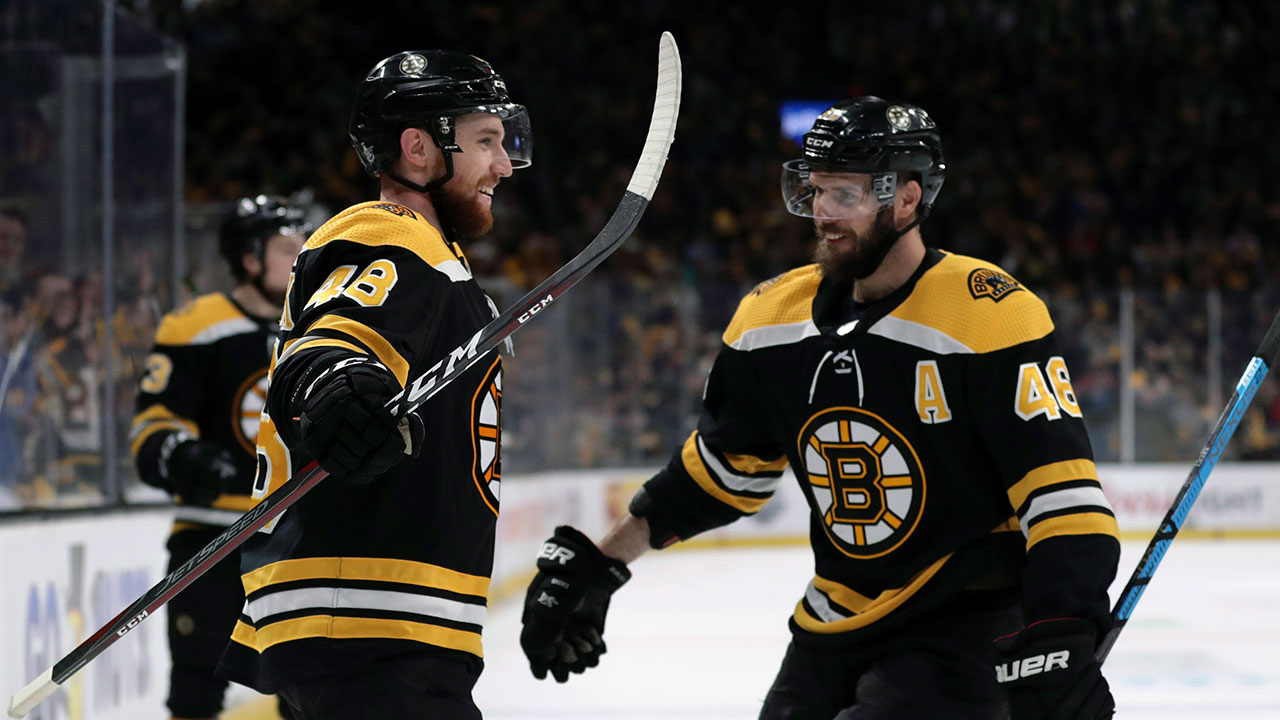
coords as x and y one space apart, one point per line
32 695
662 128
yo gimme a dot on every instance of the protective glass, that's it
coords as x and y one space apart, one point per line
517 132
826 195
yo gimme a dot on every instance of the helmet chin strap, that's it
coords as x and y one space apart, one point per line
435 187
442 134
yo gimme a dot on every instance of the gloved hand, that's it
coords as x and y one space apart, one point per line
1049 672
565 606
343 421
198 471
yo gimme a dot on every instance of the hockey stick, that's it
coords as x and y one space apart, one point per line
1263 360
666 108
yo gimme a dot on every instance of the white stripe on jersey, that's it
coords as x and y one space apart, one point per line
736 481
224 329
1063 500
821 605
771 335
921 336
456 271
328 598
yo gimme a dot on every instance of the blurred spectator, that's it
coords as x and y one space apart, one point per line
13 245
1092 149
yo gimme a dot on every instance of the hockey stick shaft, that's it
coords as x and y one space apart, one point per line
644 181
1263 360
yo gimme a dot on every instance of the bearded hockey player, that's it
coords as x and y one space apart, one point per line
197 425
367 598
922 403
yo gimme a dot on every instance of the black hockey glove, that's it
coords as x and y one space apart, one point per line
565 607
197 471
1049 672
343 421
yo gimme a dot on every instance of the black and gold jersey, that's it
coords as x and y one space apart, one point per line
352 573
205 378
935 434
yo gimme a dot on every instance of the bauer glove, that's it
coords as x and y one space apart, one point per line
1048 671
197 471
344 422
565 606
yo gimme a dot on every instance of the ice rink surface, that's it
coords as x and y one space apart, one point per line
700 633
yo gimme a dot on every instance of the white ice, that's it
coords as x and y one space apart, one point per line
699 634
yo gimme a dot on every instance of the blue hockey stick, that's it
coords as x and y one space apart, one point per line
1263 360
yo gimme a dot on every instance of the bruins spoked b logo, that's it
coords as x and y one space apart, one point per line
865 478
486 418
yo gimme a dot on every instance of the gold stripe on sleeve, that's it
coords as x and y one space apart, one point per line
380 569
697 469
155 419
1086 523
370 338
350 628
750 465
1049 475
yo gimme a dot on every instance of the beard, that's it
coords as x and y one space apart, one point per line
275 296
864 256
462 212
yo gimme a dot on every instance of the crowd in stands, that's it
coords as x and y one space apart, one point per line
1091 149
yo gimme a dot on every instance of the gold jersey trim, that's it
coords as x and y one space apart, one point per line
1051 474
393 570
696 466
382 224
154 419
205 320
866 610
1087 523
751 465
943 301
777 311
368 337
349 628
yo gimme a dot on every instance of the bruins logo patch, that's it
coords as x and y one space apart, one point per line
250 398
486 417
394 209
865 479
759 289
985 282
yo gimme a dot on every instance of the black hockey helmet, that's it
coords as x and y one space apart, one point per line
429 89
251 222
868 135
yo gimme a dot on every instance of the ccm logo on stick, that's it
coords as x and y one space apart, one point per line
526 315
1034 665
132 623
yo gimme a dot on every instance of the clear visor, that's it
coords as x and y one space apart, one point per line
502 130
826 195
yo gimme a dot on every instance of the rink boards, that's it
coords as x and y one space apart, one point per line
63 577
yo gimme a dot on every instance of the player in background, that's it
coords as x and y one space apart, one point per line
367 598
197 424
922 403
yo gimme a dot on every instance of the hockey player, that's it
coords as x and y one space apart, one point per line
197 424
922 403
367 598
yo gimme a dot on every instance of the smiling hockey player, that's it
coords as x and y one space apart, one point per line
921 400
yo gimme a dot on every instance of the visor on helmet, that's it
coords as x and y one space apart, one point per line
517 133
827 194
